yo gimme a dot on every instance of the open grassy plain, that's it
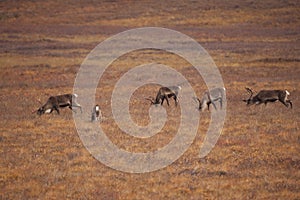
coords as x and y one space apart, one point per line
254 44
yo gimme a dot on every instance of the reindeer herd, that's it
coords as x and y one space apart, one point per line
164 93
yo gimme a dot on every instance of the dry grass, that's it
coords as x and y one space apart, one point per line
254 44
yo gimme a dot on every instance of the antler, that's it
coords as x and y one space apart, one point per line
150 99
249 90
196 99
33 111
40 102
251 94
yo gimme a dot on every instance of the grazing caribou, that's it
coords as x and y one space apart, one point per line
265 96
60 101
164 93
96 113
210 97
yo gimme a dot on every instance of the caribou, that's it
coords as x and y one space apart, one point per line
265 96
210 97
164 93
60 101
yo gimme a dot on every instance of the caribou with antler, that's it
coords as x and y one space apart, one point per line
60 101
210 97
265 96
164 93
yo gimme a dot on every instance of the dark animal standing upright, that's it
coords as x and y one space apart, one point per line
265 96
164 93
60 101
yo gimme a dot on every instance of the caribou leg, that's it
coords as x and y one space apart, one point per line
167 101
175 99
55 108
286 103
290 102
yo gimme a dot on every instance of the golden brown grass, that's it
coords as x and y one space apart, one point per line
254 44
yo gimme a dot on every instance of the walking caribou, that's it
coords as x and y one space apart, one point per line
265 96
